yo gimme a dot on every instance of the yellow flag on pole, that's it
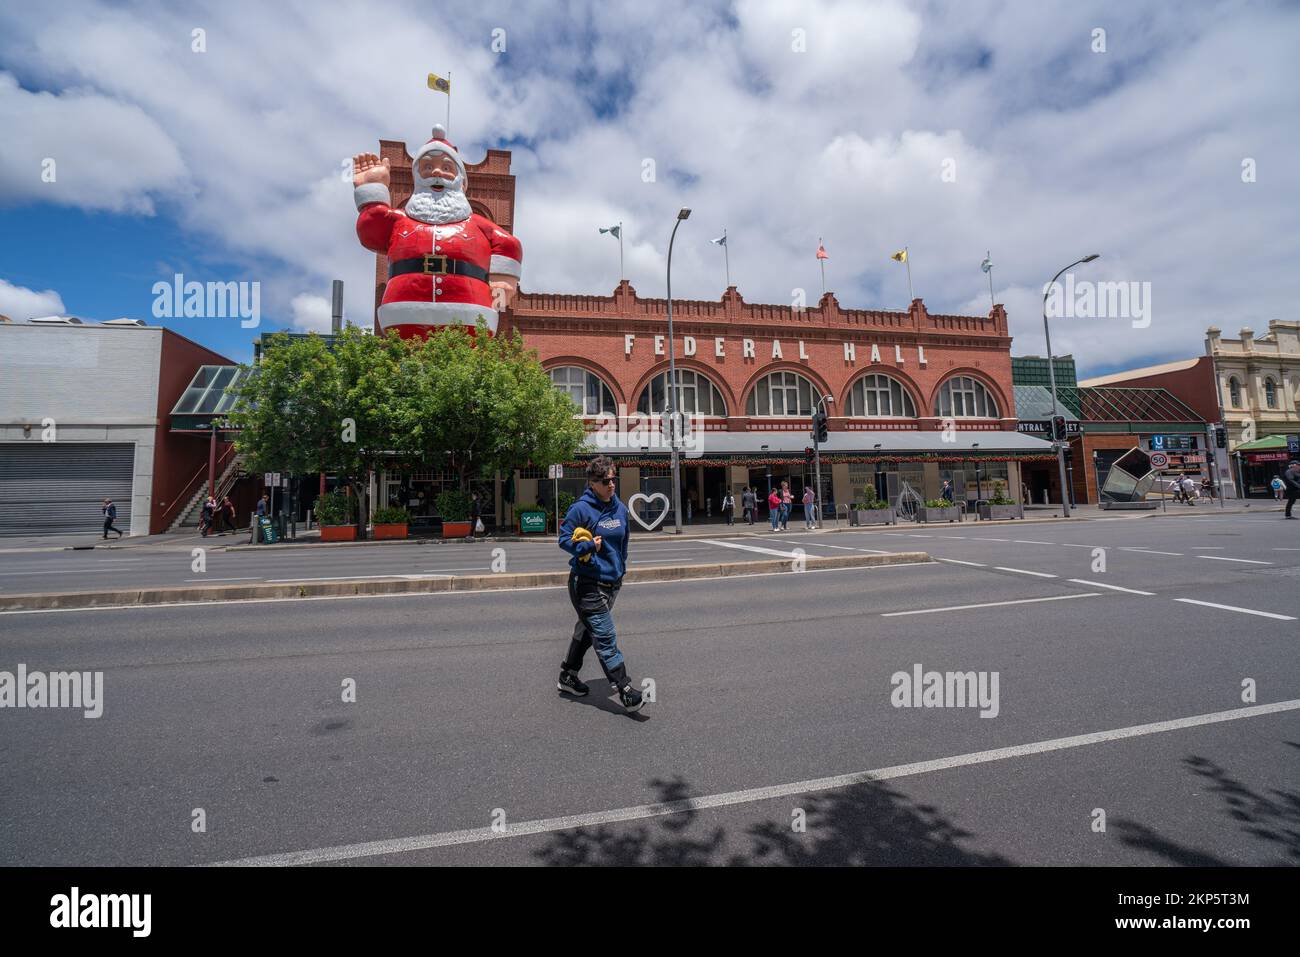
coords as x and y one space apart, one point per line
438 83
900 256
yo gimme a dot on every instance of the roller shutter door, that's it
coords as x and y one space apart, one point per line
59 487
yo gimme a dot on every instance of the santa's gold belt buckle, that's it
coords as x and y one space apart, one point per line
434 264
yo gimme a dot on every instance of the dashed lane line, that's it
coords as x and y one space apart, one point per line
990 604
1244 611
1244 561
1131 591
1023 571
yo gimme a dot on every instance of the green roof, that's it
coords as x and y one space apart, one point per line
1260 445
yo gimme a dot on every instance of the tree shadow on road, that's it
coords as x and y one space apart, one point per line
866 824
1272 816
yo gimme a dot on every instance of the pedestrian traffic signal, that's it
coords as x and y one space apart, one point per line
1220 437
819 426
1058 428
808 454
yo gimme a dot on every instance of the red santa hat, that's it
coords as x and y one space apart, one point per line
438 144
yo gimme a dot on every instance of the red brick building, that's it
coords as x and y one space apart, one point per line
753 373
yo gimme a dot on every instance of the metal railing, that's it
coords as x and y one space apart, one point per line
191 487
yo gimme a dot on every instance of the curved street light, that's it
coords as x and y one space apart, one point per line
1051 372
674 391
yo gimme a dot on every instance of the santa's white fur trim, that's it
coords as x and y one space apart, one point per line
506 265
435 314
368 193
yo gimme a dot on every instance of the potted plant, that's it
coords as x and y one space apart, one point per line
938 510
873 511
1001 507
391 522
453 507
334 512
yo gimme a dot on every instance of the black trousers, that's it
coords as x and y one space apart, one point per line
110 527
593 599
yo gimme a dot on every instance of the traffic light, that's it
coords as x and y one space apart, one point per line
1058 428
1220 437
819 426
808 454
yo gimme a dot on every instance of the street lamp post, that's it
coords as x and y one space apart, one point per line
1051 372
674 401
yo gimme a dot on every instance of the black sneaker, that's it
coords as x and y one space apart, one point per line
570 683
631 698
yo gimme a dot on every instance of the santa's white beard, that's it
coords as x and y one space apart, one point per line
428 206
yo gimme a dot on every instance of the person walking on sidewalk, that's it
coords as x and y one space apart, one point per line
110 516
809 513
787 503
1292 479
749 502
729 508
774 508
595 533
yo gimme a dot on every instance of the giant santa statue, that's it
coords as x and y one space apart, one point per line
447 265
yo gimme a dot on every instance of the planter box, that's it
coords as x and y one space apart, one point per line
457 529
393 530
873 516
999 512
950 514
338 533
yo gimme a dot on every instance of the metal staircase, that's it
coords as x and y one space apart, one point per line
189 515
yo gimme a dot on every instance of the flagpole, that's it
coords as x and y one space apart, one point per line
988 256
907 261
726 255
449 103
822 263
621 274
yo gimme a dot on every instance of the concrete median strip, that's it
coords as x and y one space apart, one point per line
365 587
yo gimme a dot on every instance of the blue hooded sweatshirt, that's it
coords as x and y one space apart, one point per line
606 519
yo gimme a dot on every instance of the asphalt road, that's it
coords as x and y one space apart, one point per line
765 686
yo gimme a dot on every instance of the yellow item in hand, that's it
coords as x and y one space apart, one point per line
581 535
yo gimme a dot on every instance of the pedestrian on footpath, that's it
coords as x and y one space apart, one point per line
476 515
264 505
729 508
1277 485
595 533
206 515
1189 489
774 508
110 516
749 502
228 514
787 503
809 513
946 492
1292 479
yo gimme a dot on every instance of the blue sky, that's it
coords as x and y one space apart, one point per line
781 121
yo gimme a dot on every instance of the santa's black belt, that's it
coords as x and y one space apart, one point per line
437 266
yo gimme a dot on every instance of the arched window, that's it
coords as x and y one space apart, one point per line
699 396
1234 392
879 396
783 394
1270 393
964 397
588 392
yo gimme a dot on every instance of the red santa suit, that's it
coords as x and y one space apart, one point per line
439 269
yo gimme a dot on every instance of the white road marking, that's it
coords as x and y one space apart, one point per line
993 539
247 578
1244 561
1073 545
1208 548
1026 541
991 604
751 548
955 561
1131 591
1147 551
1022 571
913 535
481 835
1286 549
1244 611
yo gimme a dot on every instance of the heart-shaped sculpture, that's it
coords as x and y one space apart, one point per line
631 508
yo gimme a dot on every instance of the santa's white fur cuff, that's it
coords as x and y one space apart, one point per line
368 193
505 265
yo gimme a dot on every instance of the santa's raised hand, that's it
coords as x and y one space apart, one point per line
369 168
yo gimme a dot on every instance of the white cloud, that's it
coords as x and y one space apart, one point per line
19 302
311 313
1058 151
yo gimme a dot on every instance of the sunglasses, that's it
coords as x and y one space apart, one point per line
607 481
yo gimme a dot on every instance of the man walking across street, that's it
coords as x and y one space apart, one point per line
110 516
595 533
1291 477
749 502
